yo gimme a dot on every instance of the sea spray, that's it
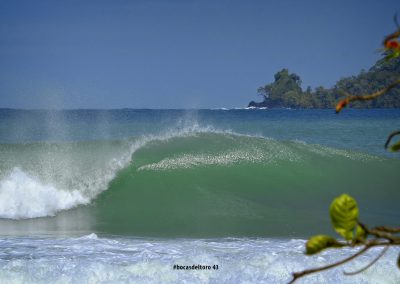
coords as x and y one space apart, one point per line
22 196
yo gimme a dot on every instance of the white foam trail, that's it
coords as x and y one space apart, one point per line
325 151
188 161
22 196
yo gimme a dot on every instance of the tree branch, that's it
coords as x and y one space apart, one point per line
349 99
369 264
381 233
297 275
367 246
387 229
390 139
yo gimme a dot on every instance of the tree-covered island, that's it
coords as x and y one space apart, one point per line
286 91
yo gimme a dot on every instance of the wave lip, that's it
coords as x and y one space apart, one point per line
23 196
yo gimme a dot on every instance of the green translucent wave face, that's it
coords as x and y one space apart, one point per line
209 185
226 185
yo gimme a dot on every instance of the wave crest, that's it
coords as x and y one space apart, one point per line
23 196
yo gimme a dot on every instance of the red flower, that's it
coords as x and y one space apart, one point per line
392 44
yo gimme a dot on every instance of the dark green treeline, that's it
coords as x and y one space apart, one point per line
286 90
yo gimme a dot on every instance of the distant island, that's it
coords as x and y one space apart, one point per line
286 91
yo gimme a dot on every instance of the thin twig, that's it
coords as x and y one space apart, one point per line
387 229
382 234
367 246
388 142
378 93
369 264
396 22
297 275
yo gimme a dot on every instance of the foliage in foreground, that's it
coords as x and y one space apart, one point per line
344 209
344 214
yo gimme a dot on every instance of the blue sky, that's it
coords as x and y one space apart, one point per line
179 53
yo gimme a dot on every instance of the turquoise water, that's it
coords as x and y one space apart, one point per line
157 178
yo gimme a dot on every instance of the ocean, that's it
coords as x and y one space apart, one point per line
121 196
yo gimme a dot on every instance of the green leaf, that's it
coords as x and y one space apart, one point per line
319 243
395 147
361 234
344 215
393 54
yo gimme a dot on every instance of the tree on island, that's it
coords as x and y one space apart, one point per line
286 89
344 209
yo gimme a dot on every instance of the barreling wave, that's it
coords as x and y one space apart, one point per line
195 182
41 179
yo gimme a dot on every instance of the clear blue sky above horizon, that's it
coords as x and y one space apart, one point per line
179 53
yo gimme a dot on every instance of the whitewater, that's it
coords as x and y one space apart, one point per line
92 259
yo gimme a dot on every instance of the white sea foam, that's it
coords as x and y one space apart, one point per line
23 196
251 149
189 161
325 151
127 260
